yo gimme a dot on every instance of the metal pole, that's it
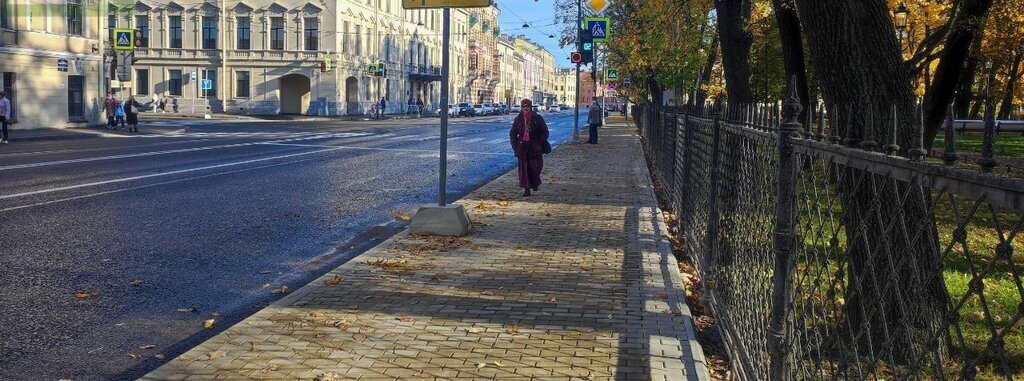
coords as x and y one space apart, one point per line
576 118
445 46
223 57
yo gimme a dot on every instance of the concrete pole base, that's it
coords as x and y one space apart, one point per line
449 220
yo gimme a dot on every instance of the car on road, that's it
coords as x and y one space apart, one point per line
563 107
552 108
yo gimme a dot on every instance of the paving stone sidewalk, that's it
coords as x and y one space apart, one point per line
576 282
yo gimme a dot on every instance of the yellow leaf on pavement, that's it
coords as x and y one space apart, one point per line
209 323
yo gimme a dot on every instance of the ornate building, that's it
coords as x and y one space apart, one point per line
484 65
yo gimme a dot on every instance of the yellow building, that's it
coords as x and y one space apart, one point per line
565 87
511 63
50 62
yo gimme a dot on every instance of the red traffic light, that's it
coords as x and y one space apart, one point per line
576 57
323 67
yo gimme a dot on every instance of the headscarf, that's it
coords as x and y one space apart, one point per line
527 116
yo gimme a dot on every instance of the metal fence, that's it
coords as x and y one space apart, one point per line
823 258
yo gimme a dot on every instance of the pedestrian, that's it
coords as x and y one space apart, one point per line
594 120
529 138
5 115
119 115
133 107
110 107
156 101
383 106
419 106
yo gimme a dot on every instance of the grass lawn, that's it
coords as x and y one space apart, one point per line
1007 144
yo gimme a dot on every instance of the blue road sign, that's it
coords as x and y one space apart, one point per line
598 26
207 84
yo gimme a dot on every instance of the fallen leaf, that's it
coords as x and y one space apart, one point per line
95 294
269 368
209 323
336 280
329 376
215 355
486 293
406 319
189 309
352 307
265 285
520 247
81 295
553 300
481 365
343 325
473 330
513 330
150 346
390 335
133 356
282 290
317 314
475 247
498 364
359 337
252 346
135 282
159 356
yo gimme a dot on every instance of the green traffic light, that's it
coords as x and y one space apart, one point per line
588 46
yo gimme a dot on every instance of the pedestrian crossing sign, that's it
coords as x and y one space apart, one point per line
598 27
611 74
124 39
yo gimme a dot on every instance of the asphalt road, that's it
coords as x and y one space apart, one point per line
212 218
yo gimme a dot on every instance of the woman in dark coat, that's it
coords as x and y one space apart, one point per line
528 134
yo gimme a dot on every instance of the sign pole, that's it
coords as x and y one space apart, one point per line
576 118
445 46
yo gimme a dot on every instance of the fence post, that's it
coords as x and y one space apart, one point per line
784 240
713 174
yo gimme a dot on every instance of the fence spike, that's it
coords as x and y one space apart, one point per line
869 143
987 161
850 140
949 154
892 148
917 153
833 128
821 121
809 121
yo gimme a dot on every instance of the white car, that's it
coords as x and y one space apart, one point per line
516 109
478 110
488 109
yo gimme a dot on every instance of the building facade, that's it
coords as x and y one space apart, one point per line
50 60
484 65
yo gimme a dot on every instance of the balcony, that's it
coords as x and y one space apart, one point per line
211 54
428 73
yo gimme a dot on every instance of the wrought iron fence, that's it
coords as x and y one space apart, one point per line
823 258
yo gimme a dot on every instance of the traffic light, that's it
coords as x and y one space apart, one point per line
576 57
140 40
587 45
382 70
323 67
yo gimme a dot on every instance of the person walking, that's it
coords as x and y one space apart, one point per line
528 136
382 107
119 115
156 101
594 120
133 108
5 115
110 107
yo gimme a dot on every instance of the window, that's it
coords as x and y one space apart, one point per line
312 33
244 34
209 32
142 24
277 33
73 14
344 38
212 76
175 29
242 84
76 98
174 82
111 23
359 40
141 81
4 14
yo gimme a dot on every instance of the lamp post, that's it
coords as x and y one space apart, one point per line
900 19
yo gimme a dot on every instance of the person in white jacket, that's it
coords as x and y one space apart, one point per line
5 115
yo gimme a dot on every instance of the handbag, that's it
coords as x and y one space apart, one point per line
133 110
547 147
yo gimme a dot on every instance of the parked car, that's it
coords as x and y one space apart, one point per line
516 109
463 109
438 111
478 110
505 108
563 107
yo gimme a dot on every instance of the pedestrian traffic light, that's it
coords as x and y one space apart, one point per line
587 45
576 57
326 65
140 40
382 70
323 67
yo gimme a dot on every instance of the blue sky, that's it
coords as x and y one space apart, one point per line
541 17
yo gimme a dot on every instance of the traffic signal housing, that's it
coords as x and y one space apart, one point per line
576 57
140 40
587 45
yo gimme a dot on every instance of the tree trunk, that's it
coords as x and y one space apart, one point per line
1011 83
705 74
736 40
792 49
968 25
965 92
889 282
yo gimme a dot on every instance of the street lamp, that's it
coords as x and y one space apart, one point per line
900 20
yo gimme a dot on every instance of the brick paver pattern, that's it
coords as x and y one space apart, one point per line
576 282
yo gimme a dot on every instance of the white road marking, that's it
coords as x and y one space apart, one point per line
387 149
165 152
133 178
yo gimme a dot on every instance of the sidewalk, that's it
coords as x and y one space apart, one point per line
576 282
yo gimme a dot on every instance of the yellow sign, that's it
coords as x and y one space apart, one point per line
419 4
599 5
124 39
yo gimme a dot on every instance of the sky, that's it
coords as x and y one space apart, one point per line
540 14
